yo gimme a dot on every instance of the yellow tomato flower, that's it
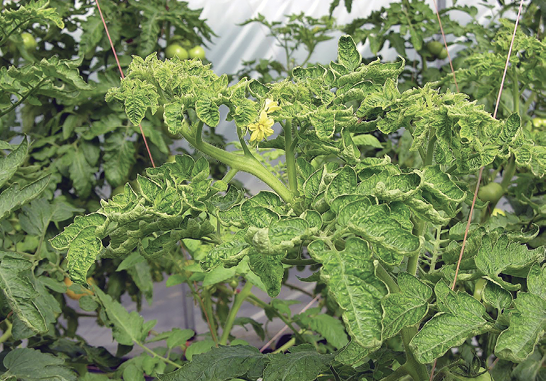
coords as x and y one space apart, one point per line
271 106
262 128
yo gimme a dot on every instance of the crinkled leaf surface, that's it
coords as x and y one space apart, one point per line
407 307
461 317
16 284
28 364
350 275
527 322
303 363
10 163
498 254
220 364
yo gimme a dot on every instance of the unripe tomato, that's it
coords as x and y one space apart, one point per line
498 212
118 190
539 122
29 41
478 289
492 192
197 52
443 54
434 47
72 295
175 50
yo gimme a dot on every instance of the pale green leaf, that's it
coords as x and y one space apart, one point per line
270 271
207 111
350 275
496 296
407 307
82 253
347 54
500 255
460 317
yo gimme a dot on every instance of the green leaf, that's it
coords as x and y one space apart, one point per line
500 255
270 271
10 163
199 347
81 172
119 158
208 112
221 364
28 364
527 321
350 275
127 328
13 197
347 54
352 353
303 363
379 225
327 326
441 185
407 307
16 284
82 253
496 296
460 317
343 184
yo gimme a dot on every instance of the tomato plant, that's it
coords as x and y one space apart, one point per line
370 166
197 52
29 41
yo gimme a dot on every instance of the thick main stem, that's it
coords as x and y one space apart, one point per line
290 158
241 163
237 303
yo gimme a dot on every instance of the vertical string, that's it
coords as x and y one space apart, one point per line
122 77
481 169
445 44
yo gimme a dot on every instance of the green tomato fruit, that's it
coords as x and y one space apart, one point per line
478 288
539 122
28 41
492 192
175 50
434 47
443 54
197 52
118 190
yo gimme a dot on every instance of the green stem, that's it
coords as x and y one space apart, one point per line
430 149
527 103
299 262
387 279
413 367
509 172
257 301
237 303
238 162
290 158
7 333
29 93
153 354
207 302
515 88
289 344
421 151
